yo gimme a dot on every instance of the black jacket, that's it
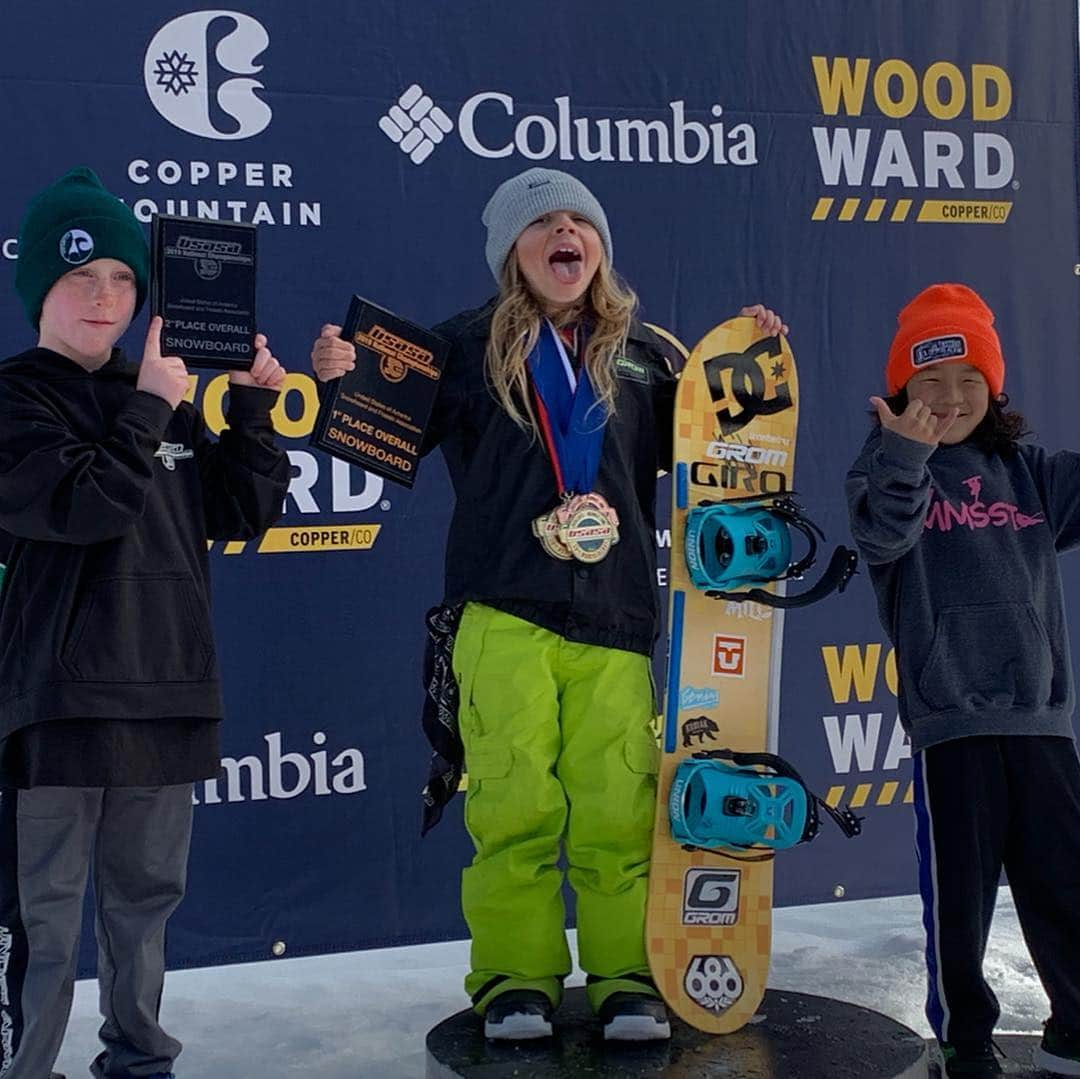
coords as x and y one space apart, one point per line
107 498
502 481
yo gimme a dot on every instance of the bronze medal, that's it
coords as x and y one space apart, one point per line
597 501
592 528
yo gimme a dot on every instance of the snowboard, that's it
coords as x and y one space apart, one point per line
709 919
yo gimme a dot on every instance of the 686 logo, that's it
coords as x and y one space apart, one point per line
713 982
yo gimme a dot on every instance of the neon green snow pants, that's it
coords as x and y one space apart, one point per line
559 752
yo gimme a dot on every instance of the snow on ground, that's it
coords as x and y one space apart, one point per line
364 1015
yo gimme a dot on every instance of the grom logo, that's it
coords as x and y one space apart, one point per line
197 72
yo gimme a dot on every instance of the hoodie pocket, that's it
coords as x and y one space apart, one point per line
139 629
995 656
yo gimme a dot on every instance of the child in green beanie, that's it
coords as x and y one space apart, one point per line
109 687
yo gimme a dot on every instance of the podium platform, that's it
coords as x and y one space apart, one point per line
792 1036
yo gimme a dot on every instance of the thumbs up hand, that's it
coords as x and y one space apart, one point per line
266 372
163 376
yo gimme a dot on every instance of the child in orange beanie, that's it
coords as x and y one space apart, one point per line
961 525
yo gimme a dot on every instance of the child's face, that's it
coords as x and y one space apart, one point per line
559 254
87 310
948 386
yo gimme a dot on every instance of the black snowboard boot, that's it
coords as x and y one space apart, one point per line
1059 1051
634 1017
518 1015
970 1060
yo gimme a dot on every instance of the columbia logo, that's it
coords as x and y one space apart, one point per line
416 124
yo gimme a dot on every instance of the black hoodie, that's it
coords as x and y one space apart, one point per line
107 499
503 479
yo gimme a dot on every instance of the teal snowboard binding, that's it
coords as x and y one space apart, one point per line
741 542
746 803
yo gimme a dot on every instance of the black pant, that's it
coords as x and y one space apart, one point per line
982 803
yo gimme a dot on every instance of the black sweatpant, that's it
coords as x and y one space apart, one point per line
982 803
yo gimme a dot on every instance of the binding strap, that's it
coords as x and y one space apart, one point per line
845 819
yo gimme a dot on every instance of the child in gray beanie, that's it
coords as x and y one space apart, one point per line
554 413
522 199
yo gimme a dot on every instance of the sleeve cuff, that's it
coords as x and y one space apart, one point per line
906 453
153 412
249 405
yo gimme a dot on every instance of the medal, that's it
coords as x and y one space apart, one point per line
600 503
584 526
592 529
546 528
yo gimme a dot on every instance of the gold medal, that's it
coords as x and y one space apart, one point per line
546 529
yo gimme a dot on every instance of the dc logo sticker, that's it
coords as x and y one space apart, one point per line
745 385
196 72
76 246
713 982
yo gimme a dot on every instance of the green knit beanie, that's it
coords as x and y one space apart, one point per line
70 223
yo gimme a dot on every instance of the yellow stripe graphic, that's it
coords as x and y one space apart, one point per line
875 209
863 794
847 211
965 212
888 793
353 537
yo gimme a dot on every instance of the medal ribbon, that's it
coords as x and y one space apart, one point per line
563 412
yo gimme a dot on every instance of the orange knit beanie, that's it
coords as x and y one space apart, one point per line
945 324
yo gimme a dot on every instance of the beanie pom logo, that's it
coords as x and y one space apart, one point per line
936 349
76 246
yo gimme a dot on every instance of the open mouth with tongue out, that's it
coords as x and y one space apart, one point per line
566 264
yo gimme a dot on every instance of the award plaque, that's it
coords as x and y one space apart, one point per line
375 415
202 283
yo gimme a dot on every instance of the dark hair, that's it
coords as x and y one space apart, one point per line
999 431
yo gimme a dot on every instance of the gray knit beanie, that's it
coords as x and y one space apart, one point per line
519 201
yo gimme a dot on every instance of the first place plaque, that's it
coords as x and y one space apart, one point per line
202 283
375 415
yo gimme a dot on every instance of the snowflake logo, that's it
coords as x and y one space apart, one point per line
175 72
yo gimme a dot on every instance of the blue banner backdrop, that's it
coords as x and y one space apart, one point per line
827 157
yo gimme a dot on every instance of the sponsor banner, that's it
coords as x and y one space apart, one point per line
829 165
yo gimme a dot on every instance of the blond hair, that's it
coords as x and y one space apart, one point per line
609 304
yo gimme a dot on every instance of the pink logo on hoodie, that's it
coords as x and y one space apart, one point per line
975 513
